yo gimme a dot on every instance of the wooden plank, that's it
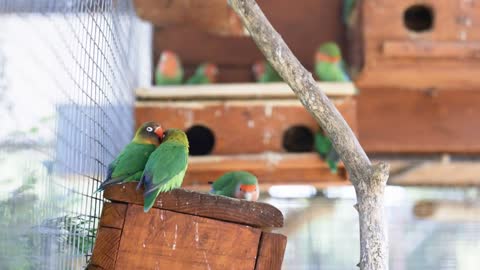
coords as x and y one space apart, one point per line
238 91
271 168
317 19
412 121
271 251
106 248
430 49
254 214
113 215
382 21
163 239
214 16
440 174
260 125
447 211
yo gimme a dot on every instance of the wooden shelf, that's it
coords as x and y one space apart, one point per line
270 168
236 91
461 174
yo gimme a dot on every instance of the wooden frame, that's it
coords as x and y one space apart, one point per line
186 230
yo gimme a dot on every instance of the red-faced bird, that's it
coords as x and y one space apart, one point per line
129 164
169 69
237 184
205 73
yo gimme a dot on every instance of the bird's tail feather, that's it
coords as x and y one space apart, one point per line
108 182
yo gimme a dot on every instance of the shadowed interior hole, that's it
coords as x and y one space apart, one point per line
418 18
201 140
298 139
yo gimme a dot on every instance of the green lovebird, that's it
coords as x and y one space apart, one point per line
264 72
204 74
329 65
237 184
166 166
129 164
325 149
169 69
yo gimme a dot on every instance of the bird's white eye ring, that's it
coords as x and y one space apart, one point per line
149 129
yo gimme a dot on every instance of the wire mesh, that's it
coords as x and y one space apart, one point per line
67 74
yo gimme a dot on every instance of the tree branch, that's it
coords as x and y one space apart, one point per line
369 181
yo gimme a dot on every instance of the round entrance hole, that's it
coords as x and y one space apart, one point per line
201 140
418 18
298 139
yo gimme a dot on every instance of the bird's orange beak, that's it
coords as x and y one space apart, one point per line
159 132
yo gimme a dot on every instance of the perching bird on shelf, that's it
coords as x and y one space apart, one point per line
166 166
129 164
206 73
325 149
264 72
330 67
169 69
349 12
237 184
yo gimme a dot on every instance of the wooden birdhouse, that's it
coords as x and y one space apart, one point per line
186 230
261 128
399 40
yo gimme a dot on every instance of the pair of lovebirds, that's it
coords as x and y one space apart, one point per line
159 159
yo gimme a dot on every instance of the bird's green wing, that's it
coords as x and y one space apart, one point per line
128 164
322 144
225 184
164 171
333 159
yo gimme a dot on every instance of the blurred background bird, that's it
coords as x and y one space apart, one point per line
205 73
237 184
264 72
169 70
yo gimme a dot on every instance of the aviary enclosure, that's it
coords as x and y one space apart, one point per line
78 77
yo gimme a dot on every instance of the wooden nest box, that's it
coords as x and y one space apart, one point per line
398 40
261 128
186 230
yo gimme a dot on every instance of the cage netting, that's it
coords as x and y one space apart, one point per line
67 74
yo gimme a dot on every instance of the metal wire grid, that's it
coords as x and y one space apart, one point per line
77 63
323 233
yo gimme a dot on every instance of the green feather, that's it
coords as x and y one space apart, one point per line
322 144
200 75
269 74
166 166
226 184
129 164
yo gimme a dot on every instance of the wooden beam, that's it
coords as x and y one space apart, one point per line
413 121
213 16
271 251
457 174
162 239
318 20
431 49
237 91
106 248
254 214
447 211
270 168
113 215
258 126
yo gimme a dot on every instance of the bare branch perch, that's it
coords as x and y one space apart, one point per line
369 181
